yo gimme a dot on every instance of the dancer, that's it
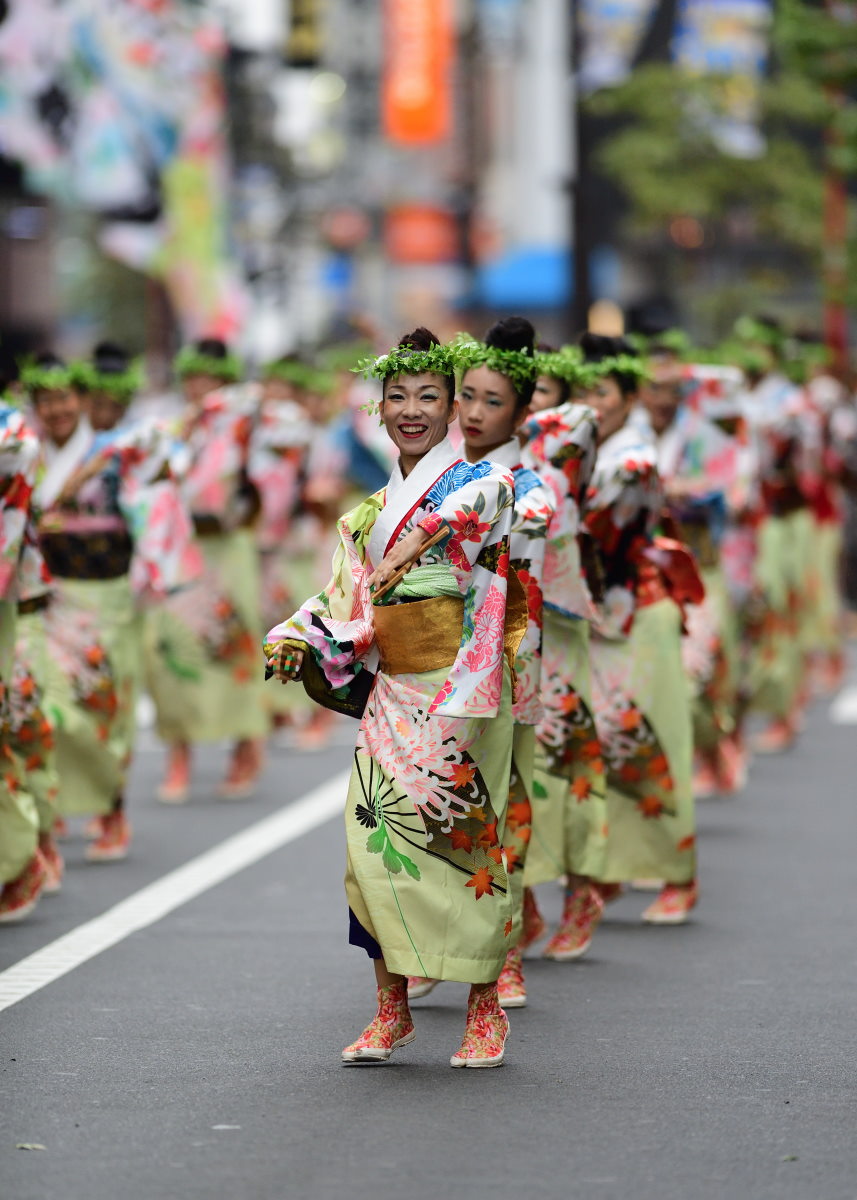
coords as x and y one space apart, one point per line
200 644
496 389
569 807
23 873
698 466
429 670
639 686
115 537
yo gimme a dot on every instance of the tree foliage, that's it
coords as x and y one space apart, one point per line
671 154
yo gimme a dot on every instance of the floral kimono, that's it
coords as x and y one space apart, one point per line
115 537
32 716
569 812
534 509
428 668
202 643
784 536
19 820
639 688
277 463
704 459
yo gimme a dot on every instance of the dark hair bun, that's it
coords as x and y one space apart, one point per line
512 333
419 339
110 358
211 347
47 360
596 346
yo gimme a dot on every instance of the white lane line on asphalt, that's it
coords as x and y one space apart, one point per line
165 895
843 710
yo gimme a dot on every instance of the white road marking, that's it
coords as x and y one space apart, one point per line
843 710
165 895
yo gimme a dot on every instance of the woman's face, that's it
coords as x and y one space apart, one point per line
279 389
548 393
661 396
611 406
488 411
59 411
104 412
416 412
197 386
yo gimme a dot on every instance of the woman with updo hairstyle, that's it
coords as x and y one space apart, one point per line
409 637
640 690
569 809
108 383
201 646
496 390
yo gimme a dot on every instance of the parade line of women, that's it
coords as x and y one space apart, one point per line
538 621
577 573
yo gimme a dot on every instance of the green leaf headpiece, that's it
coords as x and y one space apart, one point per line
189 361
518 367
35 378
566 364
618 364
118 385
402 360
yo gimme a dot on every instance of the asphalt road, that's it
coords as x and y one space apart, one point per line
199 1058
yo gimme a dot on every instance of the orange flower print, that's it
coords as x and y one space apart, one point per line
650 806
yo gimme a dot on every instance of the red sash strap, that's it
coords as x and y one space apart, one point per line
395 535
666 569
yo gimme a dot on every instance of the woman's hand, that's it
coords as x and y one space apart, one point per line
406 551
286 662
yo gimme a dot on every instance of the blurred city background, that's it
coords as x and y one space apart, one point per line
277 172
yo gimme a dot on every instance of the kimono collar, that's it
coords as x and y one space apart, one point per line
61 461
403 495
507 455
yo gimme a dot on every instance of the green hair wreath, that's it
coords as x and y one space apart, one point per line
118 385
566 364
748 329
402 360
618 364
189 361
36 378
517 366
301 374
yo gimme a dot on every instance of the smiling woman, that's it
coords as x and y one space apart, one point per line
425 663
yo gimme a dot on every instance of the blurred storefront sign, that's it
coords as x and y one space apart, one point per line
305 37
419 52
611 31
730 38
421 233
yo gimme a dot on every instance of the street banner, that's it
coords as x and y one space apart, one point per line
730 38
419 52
611 34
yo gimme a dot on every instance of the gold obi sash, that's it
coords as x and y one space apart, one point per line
425 635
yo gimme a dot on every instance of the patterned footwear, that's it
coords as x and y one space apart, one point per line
609 892
673 905
114 841
705 784
20 896
391 1027
176 786
534 922
486 1030
580 917
419 986
779 736
244 770
53 864
732 767
510 986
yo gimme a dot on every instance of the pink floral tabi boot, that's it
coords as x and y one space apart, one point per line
534 922
673 905
580 917
419 985
510 986
486 1030
391 1027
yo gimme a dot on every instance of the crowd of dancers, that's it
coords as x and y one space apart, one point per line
564 580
